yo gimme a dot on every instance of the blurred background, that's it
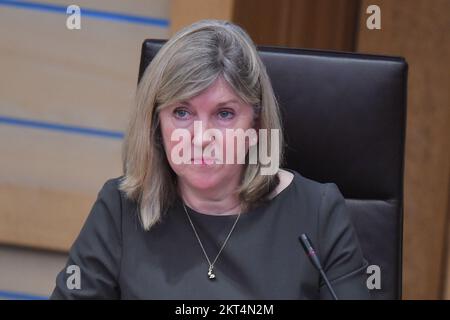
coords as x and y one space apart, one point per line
65 96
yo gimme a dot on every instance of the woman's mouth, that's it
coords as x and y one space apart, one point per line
203 161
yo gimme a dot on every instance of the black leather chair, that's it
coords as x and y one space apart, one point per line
344 116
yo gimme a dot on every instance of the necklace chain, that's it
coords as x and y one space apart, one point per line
211 274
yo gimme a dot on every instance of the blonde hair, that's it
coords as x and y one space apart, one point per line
186 65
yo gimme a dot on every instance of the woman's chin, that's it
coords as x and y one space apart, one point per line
204 181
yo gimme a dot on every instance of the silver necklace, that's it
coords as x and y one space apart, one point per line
211 274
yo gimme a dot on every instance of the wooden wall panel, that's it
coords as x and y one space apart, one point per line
183 13
83 78
320 24
418 30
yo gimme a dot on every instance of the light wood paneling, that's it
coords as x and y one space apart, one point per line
29 271
87 78
183 13
42 218
48 183
84 77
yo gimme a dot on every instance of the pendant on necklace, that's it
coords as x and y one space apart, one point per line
211 274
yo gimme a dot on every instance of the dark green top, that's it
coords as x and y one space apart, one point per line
263 258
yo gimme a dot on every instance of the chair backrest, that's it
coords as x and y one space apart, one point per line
344 118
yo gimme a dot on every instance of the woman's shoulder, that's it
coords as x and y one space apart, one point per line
292 180
306 196
113 197
286 178
111 189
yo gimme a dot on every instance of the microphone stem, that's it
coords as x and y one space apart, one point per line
328 284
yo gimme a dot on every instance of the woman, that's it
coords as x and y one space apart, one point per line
183 223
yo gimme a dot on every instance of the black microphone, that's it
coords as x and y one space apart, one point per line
311 253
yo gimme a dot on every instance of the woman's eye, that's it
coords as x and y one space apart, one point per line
226 115
181 113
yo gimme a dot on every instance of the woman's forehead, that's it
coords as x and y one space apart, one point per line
219 93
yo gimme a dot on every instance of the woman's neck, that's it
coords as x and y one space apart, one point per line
218 201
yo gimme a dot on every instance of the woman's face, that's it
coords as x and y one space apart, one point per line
219 108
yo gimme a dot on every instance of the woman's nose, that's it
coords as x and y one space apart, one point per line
200 140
